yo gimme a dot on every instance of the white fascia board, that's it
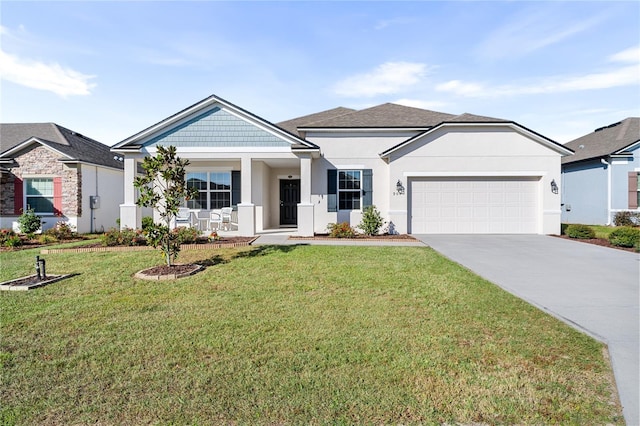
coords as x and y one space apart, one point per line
514 126
203 107
502 173
630 147
31 141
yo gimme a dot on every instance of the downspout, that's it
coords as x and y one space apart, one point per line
608 166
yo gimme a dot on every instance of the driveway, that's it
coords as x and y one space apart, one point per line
592 288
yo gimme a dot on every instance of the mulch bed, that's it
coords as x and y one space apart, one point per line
204 244
361 237
166 272
597 241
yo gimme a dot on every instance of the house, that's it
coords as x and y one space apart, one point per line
602 177
61 174
425 171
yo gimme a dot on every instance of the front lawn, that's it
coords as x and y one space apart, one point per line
289 335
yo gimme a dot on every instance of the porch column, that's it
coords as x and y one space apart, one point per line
246 209
130 214
305 208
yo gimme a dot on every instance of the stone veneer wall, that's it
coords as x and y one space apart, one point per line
40 161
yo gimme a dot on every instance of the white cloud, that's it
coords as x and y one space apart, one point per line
50 77
631 55
385 79
627 75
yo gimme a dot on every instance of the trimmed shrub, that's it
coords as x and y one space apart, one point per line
626 218
62 231
341 230
186 235
371 221
563 228
29 222
124 237
625 236
580 231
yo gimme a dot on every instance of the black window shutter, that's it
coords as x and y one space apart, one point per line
367 187
235 188
332 190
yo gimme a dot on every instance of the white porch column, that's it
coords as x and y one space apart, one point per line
130 214
246 209
305 207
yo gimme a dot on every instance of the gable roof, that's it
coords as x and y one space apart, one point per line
72 146
605 141
204 107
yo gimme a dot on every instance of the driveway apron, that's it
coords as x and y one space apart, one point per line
592 288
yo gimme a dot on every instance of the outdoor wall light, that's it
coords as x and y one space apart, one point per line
554 186
399 187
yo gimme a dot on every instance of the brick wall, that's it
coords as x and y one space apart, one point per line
41 161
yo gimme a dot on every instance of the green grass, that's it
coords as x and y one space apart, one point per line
602 231
293 335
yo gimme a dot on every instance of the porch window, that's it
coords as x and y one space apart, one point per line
39 195
214 190
349 189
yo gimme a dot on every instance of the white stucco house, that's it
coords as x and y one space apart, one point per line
425 171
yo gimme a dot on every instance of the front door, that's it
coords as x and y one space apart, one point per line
289 200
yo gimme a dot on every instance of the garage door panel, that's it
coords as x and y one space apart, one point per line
474 205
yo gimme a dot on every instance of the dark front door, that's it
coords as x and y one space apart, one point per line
289 199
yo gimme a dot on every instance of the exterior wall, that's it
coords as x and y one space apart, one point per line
351 151
108 184
473 151
585 193
38 161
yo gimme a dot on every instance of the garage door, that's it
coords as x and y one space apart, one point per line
474 205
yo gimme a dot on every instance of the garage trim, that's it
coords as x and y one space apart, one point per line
475 174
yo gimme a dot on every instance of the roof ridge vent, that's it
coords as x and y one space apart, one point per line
608 127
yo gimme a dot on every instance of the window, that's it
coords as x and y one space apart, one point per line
349 189
39 195
214 190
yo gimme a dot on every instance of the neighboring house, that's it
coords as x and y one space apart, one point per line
602 177
425 171
61 174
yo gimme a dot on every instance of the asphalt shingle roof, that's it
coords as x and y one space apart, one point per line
387 115
74 145
604 141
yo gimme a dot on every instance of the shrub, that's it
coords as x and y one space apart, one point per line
371 221
124 237
47 238
625 237
626 218
29 222
62 231
580 231
563 228
341 230
8 238
186 235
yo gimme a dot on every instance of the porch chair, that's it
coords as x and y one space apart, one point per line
184 217
225 214
215 218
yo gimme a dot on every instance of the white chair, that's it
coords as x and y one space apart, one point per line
184 217
225 215
215 218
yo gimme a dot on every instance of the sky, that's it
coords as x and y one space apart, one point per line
109 69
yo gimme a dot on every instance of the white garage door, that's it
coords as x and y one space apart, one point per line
474 205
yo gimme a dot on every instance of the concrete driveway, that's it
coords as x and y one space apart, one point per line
592 288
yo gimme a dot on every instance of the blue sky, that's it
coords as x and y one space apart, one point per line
110 69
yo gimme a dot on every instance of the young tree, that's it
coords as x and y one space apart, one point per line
163 187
